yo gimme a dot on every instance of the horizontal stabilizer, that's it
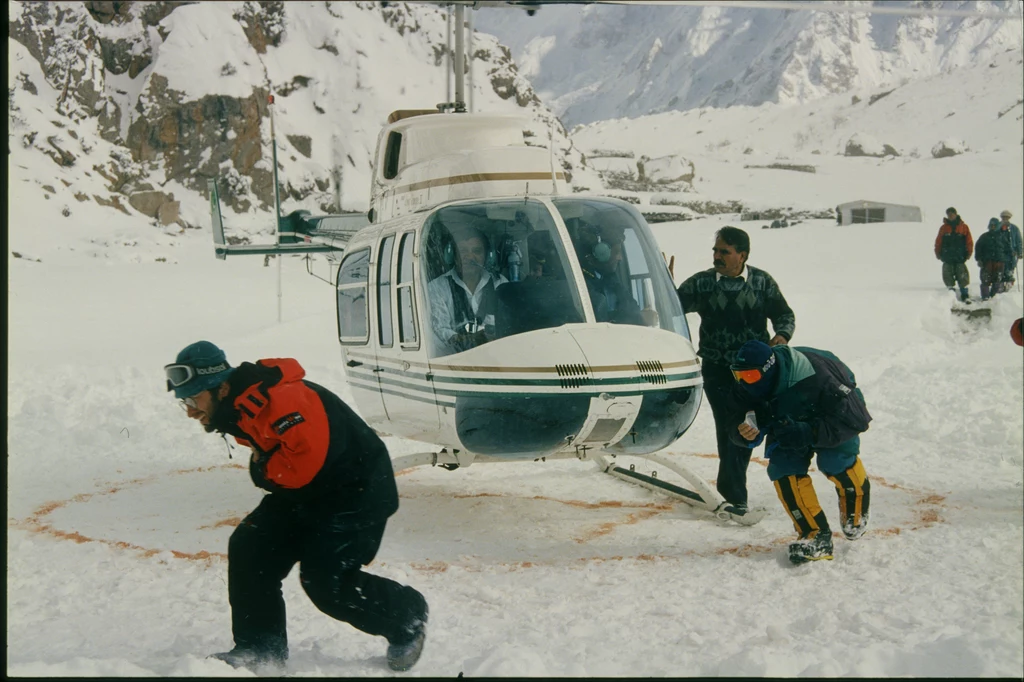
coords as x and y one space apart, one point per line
298 232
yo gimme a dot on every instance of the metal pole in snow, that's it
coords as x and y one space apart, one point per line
469 39
448 58
460 58
277 201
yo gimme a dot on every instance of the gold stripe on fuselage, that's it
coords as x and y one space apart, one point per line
475 177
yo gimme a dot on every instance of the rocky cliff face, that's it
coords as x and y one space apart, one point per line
180 91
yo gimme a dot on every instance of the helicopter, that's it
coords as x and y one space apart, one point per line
552 370
584 351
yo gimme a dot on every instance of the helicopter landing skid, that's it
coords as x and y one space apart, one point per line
702 497
444 458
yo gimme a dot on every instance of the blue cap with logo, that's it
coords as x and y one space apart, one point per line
760 356
199 367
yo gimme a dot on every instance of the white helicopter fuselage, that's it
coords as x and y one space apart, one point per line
553 391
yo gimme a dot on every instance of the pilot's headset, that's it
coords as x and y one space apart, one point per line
601 252
490 259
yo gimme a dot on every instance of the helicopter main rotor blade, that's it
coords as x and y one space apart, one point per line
533 5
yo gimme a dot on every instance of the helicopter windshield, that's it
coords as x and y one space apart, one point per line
627 279
494 269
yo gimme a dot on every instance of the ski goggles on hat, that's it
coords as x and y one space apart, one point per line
178 374
752 375
747 376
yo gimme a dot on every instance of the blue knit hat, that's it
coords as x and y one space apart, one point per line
199 367
757 355
993 223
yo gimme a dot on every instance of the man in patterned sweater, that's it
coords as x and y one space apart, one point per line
734 301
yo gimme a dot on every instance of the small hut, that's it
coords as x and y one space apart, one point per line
863 211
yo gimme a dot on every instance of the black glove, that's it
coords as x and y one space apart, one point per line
467 340
790 434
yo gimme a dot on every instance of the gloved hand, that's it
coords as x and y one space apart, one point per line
790 434
467 340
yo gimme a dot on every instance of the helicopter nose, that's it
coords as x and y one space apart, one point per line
519 426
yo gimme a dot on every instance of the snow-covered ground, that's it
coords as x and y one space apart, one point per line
119 508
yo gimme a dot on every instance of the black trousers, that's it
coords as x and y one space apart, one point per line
330 549
733 459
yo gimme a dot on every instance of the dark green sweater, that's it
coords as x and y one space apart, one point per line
733 311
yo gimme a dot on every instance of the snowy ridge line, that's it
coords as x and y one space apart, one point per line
845 9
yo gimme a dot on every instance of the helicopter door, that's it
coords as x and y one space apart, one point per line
354 334
408 390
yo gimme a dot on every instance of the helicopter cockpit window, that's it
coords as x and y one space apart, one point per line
353 275
495 269
627 279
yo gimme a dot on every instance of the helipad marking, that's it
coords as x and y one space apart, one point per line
927 510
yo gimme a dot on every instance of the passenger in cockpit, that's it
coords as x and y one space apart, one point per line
463 300
600 251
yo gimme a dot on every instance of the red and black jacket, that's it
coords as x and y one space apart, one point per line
307 444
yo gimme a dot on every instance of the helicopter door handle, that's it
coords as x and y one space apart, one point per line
378 369
354 363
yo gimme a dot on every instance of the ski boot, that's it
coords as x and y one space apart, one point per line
403 655
817 547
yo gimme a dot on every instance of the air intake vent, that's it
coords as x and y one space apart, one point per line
573 376
652 371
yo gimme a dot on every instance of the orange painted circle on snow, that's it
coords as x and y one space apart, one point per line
927 508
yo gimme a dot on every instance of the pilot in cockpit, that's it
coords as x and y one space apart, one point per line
462 299
599 248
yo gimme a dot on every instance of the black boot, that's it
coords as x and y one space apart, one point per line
817 547
403 654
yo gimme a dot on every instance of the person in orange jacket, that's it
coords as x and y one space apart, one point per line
954 246
332 489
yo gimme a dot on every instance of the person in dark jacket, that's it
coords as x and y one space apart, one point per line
806 402
1010 269
953 246
331 489
993 252
735 302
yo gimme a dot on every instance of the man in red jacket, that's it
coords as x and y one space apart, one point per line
953 246
331 489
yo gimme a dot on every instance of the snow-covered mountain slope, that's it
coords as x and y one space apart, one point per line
978 108
599 62
134 105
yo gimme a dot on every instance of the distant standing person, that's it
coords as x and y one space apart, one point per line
331 489
992 252
954 246
1010 270
807 403
735 302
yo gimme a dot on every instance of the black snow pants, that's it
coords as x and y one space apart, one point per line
330 549
733 459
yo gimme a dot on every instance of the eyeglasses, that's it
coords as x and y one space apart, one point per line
747 376
189 403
